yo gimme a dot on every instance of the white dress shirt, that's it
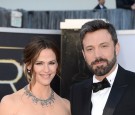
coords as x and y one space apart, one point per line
99 98
101 6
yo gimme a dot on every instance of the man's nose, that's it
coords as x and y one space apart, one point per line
97 53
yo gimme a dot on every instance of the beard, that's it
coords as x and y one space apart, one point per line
102 70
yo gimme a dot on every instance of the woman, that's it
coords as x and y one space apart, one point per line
41 59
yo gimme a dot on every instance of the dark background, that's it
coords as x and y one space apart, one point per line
74 68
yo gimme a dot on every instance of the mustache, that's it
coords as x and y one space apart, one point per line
99 60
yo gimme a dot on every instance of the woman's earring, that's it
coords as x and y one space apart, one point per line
28 71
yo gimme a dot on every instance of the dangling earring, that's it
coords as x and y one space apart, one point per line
28 71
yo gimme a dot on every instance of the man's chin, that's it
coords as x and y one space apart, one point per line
99 66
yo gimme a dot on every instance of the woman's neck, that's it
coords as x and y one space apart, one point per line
40 91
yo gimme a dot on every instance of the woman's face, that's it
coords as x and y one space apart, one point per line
45 67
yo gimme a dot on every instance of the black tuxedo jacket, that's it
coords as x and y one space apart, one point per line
125 4
98 7
121 100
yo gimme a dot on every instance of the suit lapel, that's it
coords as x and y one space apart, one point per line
86 104
118 88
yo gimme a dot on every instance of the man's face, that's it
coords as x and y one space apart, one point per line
102 2
100 52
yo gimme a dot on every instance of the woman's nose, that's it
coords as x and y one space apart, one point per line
46 68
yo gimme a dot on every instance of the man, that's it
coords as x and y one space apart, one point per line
100 48
126 4
100 5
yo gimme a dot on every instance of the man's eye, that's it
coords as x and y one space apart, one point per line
104 46
90 49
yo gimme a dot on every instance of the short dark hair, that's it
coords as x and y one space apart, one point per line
95 25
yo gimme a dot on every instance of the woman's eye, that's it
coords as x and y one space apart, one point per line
52 63
38 63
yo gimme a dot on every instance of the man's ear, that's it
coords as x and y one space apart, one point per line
83 54
117 48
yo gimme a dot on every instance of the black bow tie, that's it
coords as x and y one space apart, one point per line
100 85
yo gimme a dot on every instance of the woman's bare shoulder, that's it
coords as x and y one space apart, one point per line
64 104
65 101
8 102
11 98
67 104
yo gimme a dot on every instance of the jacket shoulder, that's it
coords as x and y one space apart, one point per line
82 84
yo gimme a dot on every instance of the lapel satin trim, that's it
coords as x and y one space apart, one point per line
117 91
113 99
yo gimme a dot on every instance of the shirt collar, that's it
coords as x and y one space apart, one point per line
101 6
